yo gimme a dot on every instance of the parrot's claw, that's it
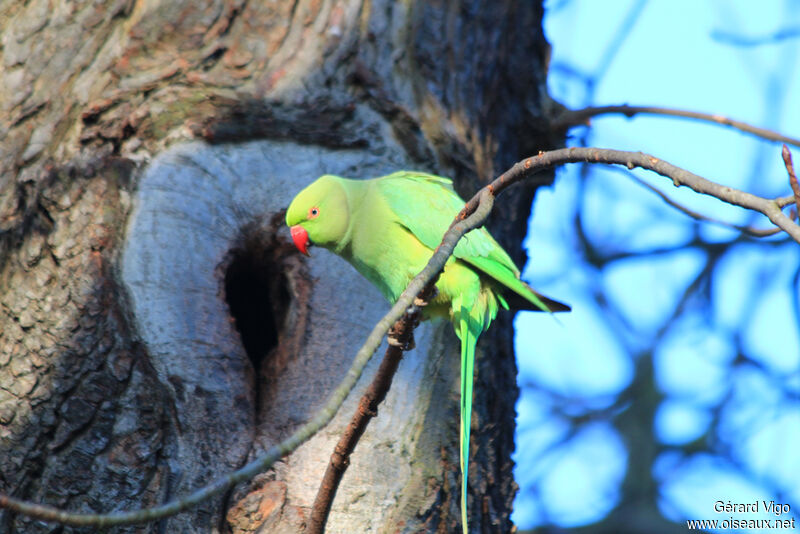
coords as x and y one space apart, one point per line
393 340
430 294
402 346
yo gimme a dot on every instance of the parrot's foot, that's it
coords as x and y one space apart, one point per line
393 339
426 297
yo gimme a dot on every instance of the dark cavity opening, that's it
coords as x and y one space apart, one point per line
259 278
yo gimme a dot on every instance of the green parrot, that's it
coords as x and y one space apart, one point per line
388 228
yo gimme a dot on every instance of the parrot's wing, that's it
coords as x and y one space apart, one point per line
427 204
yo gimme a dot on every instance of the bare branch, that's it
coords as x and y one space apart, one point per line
567 119
752 40
787 160
400 339
547 160
755 232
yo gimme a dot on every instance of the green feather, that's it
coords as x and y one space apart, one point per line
468 329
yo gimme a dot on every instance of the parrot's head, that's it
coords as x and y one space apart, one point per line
319 214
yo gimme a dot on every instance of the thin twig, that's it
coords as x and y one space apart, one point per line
787 160
749 230
578 117
755 40
782 202
403 339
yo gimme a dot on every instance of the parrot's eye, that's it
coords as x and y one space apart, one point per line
313 212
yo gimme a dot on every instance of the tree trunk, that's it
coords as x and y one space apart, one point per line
157 328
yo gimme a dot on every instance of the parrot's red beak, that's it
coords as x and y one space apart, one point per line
300 238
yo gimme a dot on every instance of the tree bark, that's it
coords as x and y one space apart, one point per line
158 330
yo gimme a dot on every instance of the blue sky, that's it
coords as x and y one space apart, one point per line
689 55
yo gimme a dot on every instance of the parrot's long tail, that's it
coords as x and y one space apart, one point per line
468 333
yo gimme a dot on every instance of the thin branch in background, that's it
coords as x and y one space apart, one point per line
745 40
755 232
607 56
787 160
624 30
567 119
399 341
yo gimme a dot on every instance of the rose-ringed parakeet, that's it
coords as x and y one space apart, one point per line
387 228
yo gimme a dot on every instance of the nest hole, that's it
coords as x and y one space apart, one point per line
261 277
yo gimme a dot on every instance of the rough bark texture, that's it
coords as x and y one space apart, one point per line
146 149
